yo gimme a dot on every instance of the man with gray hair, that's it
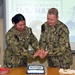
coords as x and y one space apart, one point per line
54 42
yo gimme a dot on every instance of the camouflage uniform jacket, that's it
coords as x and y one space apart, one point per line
16 53
56 41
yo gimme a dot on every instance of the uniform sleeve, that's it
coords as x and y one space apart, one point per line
33 41
63 45
42 41
13 45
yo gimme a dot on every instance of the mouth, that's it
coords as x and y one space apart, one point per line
50 24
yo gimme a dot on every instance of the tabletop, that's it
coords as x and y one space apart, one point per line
22 71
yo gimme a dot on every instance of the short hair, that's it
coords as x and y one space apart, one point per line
17 18
53 11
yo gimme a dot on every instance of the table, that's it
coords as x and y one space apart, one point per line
22 71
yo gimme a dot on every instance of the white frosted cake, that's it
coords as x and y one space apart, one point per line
35 69
66 72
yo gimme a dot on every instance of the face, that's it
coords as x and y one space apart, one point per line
52 19
20 25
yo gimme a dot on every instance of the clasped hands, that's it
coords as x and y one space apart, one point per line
41 53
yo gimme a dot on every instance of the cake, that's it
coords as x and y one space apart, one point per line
35 69
66 72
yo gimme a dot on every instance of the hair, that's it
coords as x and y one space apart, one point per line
17 18
53 11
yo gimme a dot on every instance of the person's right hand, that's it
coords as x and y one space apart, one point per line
41 53
38 52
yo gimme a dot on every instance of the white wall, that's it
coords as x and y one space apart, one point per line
1 41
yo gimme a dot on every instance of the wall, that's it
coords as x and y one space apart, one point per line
1 41
73 66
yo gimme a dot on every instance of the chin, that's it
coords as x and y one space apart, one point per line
20 30
50 25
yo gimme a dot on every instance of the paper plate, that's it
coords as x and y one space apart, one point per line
4 70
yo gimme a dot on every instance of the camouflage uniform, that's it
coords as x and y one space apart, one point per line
56 41
16 53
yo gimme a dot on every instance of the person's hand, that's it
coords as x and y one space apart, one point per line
38 52
43 55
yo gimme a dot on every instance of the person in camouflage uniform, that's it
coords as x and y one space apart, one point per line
18 39
55 40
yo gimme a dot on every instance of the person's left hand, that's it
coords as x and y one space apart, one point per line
43 55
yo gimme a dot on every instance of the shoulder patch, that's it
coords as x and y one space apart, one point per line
42 28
